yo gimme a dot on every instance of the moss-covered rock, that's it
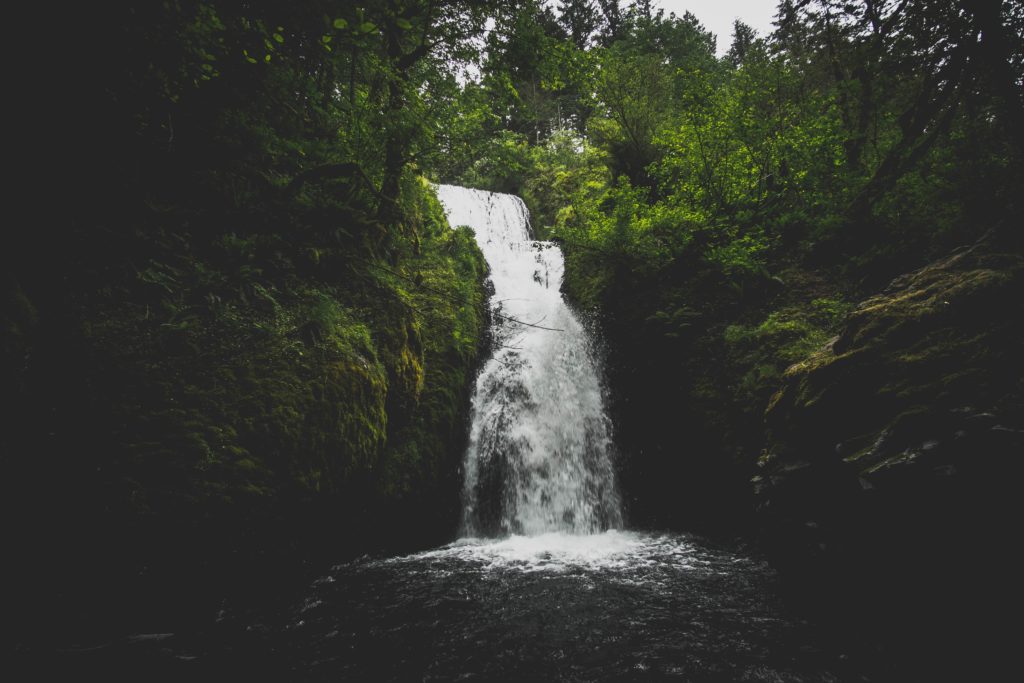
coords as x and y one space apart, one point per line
894 453
693 356
939 342
224 397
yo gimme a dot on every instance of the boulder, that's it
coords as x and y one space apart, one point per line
893 463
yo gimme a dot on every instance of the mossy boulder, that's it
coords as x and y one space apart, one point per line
895 451
939 342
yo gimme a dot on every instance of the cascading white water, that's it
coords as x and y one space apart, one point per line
540 451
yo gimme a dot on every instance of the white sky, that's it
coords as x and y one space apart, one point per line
718 15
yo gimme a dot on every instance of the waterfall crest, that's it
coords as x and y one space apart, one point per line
540 450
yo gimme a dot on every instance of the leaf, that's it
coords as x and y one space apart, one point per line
326 39
266 58
278 37
403 24
368 27
340 23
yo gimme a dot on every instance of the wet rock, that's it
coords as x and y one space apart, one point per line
903 440
981 420
931 361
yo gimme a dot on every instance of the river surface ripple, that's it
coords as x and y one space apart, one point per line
611 606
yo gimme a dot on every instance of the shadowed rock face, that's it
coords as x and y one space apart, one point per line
895 452
919 371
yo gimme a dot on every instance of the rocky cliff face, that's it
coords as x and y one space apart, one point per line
895 453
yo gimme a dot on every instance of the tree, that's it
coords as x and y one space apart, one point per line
580 19
743 38
614 21
412 31
642 83
636 91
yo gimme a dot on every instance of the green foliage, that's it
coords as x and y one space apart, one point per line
255 292
503 164
804 141
254 304
829 312
741 256
565 169
298 383
637 92
328 321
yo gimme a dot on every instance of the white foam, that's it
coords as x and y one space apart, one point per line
562 552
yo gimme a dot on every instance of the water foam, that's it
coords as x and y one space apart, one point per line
623 552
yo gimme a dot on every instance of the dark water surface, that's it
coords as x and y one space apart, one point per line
614 606
607 607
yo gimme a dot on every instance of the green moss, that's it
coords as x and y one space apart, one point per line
761 353
350 381
444 289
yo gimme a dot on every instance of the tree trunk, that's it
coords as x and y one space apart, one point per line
995 52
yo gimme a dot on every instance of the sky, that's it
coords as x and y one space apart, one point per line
718 15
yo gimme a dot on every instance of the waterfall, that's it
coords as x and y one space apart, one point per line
540 450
